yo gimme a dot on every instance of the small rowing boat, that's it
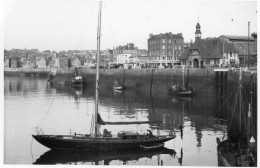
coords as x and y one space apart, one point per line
153 147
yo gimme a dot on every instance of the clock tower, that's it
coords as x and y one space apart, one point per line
198 32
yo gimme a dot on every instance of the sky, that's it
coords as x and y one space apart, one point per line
72 24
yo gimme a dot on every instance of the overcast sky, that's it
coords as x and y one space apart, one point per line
67 25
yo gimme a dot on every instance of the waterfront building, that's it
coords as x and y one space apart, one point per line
40 62
106 56
13 62
127 54
28 63
209 52
241 45
165 50
75 62
63 62
124 58
6 62
142 60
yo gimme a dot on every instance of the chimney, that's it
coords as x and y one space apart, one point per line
151 35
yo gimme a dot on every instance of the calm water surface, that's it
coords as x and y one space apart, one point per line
31 102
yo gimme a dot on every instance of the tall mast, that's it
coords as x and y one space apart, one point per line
97 67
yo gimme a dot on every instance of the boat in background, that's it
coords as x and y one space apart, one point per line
117 86
153 147
78 81
182 90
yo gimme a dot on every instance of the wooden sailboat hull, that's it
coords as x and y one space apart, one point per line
75 83
96 144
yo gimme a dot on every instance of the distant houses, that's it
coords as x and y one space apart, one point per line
166 50
75 62
28 63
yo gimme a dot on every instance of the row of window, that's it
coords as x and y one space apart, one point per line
155 53
163 41
167 58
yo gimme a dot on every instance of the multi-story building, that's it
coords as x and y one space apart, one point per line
127 54
164 50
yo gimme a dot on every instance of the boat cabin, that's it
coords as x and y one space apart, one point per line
130 135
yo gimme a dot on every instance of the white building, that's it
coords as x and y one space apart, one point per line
124 58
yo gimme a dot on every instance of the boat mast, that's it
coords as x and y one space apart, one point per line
97 67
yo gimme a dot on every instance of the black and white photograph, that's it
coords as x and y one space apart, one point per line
129 83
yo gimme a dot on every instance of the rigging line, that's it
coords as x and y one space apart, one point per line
234 107
43 119
228 97
108 16
79 41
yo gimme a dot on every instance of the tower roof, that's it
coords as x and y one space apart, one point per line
198 25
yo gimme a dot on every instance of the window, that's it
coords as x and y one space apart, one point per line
163 46
174 41
163 40
179 47
170 41
207 61
230 54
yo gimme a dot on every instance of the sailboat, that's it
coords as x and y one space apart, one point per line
181 90
236 151
98 142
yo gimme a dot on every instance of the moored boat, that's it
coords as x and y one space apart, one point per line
117 86
181 90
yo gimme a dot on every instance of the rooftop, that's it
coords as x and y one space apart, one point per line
166 35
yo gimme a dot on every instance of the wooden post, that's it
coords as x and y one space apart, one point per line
151 84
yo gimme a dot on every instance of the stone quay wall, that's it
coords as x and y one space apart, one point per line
153 80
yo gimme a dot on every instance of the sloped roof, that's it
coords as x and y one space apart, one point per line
209 48
237 38
167 35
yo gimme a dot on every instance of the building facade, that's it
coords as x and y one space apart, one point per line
165 50
246 47
40 62
210 52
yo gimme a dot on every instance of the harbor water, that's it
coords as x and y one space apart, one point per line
34 102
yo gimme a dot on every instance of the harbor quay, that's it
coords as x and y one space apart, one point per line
157 82
147 79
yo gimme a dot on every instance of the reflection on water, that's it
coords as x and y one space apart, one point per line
71 157
58 109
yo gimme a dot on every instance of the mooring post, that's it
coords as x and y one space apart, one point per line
124 79
151 84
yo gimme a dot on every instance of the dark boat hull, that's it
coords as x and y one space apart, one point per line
95 144
181 92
